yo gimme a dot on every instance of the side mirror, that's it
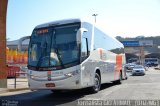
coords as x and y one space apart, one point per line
83 30
80 33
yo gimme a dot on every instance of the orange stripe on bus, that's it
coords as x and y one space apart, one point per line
100 51
118 65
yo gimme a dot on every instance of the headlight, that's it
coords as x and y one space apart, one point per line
73 73
32 77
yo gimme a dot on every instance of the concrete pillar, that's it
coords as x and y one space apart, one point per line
3 72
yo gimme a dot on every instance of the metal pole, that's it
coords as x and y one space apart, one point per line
15 81
159 58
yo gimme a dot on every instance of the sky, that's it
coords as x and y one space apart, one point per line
126 18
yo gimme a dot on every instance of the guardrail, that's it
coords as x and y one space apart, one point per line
17 75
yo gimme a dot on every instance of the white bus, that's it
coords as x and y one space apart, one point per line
73 54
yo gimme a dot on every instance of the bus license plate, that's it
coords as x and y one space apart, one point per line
50 85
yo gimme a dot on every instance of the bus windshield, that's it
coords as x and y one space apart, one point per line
54 46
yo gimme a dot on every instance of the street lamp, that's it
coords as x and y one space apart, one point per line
95 17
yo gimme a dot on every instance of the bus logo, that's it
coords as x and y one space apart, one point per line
49 75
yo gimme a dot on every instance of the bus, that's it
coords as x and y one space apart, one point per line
73 54
151 62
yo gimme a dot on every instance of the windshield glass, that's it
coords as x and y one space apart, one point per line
54 46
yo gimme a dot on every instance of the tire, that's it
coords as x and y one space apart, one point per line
125 74
126 77
119 80
97 84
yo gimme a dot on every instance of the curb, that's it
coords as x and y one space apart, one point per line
5 90
17 89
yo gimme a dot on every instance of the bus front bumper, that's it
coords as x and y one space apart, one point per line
67 83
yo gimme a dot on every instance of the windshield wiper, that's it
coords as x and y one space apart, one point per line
57 51
39 60
41 56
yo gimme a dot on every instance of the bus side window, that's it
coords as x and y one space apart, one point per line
84 48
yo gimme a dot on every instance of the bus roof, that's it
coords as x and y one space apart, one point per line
73 20
58 22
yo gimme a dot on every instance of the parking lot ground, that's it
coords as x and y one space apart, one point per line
135 88
145 87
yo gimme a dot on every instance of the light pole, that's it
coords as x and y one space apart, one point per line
158 58
95 17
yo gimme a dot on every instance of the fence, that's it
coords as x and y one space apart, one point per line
19 75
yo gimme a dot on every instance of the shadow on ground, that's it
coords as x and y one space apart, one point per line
48 98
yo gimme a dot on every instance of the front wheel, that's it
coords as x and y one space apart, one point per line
97 84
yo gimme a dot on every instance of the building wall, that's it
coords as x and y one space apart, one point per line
3 73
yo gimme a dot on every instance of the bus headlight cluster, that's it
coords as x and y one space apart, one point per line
73 73
32 76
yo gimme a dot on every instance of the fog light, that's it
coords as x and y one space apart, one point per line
77 81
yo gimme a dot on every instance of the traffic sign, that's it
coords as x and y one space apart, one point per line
130 43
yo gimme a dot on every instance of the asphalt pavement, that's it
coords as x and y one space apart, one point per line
136 88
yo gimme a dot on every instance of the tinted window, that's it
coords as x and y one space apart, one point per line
107 42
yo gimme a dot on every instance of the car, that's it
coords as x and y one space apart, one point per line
138 70
130 66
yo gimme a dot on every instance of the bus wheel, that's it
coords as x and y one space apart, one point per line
120 79
97 84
